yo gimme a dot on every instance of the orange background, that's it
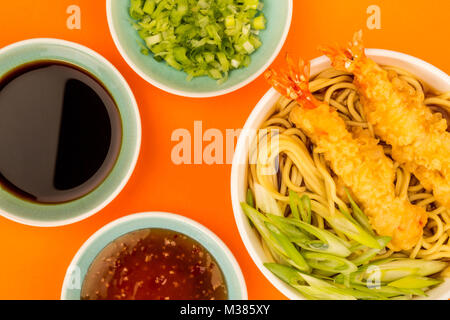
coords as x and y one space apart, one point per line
33 260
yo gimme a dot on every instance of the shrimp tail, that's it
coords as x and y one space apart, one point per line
346 59
294 84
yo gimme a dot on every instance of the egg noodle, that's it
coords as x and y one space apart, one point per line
298 165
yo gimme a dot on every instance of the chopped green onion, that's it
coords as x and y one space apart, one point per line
314 293
235 63
249 199
317 289
328 262
293 233
149 6
389 270
370 253
223 32
248 46
265 202
230 22
258 220
414 282
320 265
252 4
259 23
209 57
285 273
292 254
397 268
180 55
305 209
388 292
151 41
136 11
324 289
326 243
353 230
360 216
295 203
300 206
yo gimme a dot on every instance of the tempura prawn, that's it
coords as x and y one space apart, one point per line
399 116
357 159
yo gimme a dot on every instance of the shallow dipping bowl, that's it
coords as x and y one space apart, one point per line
76 272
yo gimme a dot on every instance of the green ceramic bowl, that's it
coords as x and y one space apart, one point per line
73 281
279 16
47 215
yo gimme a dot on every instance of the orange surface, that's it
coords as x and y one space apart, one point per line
33 260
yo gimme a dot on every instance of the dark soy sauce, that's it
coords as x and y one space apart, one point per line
60 132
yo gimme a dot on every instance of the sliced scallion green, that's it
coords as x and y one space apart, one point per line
321 265
326 242
249 198
359 215
414 282
329 262
292 254
200 37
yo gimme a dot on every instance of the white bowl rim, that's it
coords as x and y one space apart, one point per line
184 93
137 121
241 155
165 215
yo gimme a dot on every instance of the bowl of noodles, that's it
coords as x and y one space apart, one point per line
298 234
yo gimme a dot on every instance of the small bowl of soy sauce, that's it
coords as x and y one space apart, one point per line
70 132
154 256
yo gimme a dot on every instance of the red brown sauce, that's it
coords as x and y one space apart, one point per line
154 264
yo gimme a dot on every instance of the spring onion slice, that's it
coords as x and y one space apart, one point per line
358 283
285 273
347 225
414 282
397 268
300 206
343 222
200 37
265 202
293 233
370 253
292 254
389 270
329 262
249 198
316 289
387 292
326 243
321 265
359 215
258 220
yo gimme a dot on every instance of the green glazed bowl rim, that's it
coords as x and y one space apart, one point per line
71 288
192 93
52 215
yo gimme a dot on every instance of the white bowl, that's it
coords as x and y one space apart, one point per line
431 75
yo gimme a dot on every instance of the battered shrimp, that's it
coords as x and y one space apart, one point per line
399 116
356 159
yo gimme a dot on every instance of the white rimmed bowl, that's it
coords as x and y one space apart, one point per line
159 74
71 289
431 75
